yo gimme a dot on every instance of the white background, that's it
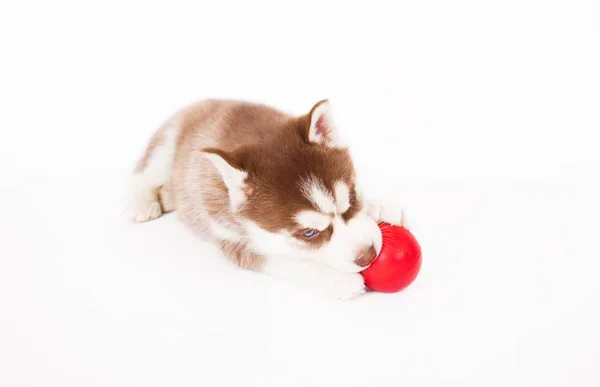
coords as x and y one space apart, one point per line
480 116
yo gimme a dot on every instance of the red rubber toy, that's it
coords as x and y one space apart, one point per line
398 262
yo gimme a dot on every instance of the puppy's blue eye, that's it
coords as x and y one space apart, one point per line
310 233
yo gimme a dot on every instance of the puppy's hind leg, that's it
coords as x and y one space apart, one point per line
166 199
148 190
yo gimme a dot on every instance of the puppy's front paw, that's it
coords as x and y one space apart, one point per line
344 286
319 279
388 213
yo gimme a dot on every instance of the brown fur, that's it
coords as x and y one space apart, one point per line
241 256
275 151
165 199
278 157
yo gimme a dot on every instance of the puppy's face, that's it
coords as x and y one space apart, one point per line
297 196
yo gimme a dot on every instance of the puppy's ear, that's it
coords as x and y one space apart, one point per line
231 168
321 129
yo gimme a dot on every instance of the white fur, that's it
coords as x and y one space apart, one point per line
273 244
339 253
313 219
318 278
332 138
388 213
342 197
314 190
233 178
143 202
348 238
223 232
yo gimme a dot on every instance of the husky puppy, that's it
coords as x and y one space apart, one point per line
278 193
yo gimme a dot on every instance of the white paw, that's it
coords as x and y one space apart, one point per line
142 202
316 278
343 286
388 213
143 210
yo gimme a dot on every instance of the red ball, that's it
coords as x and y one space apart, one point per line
398 263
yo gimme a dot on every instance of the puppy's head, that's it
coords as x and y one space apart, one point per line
296 194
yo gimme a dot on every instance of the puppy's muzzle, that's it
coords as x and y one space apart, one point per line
366 256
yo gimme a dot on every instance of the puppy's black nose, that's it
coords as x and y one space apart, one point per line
366 256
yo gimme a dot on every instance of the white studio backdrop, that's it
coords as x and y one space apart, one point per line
486 113
431 88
